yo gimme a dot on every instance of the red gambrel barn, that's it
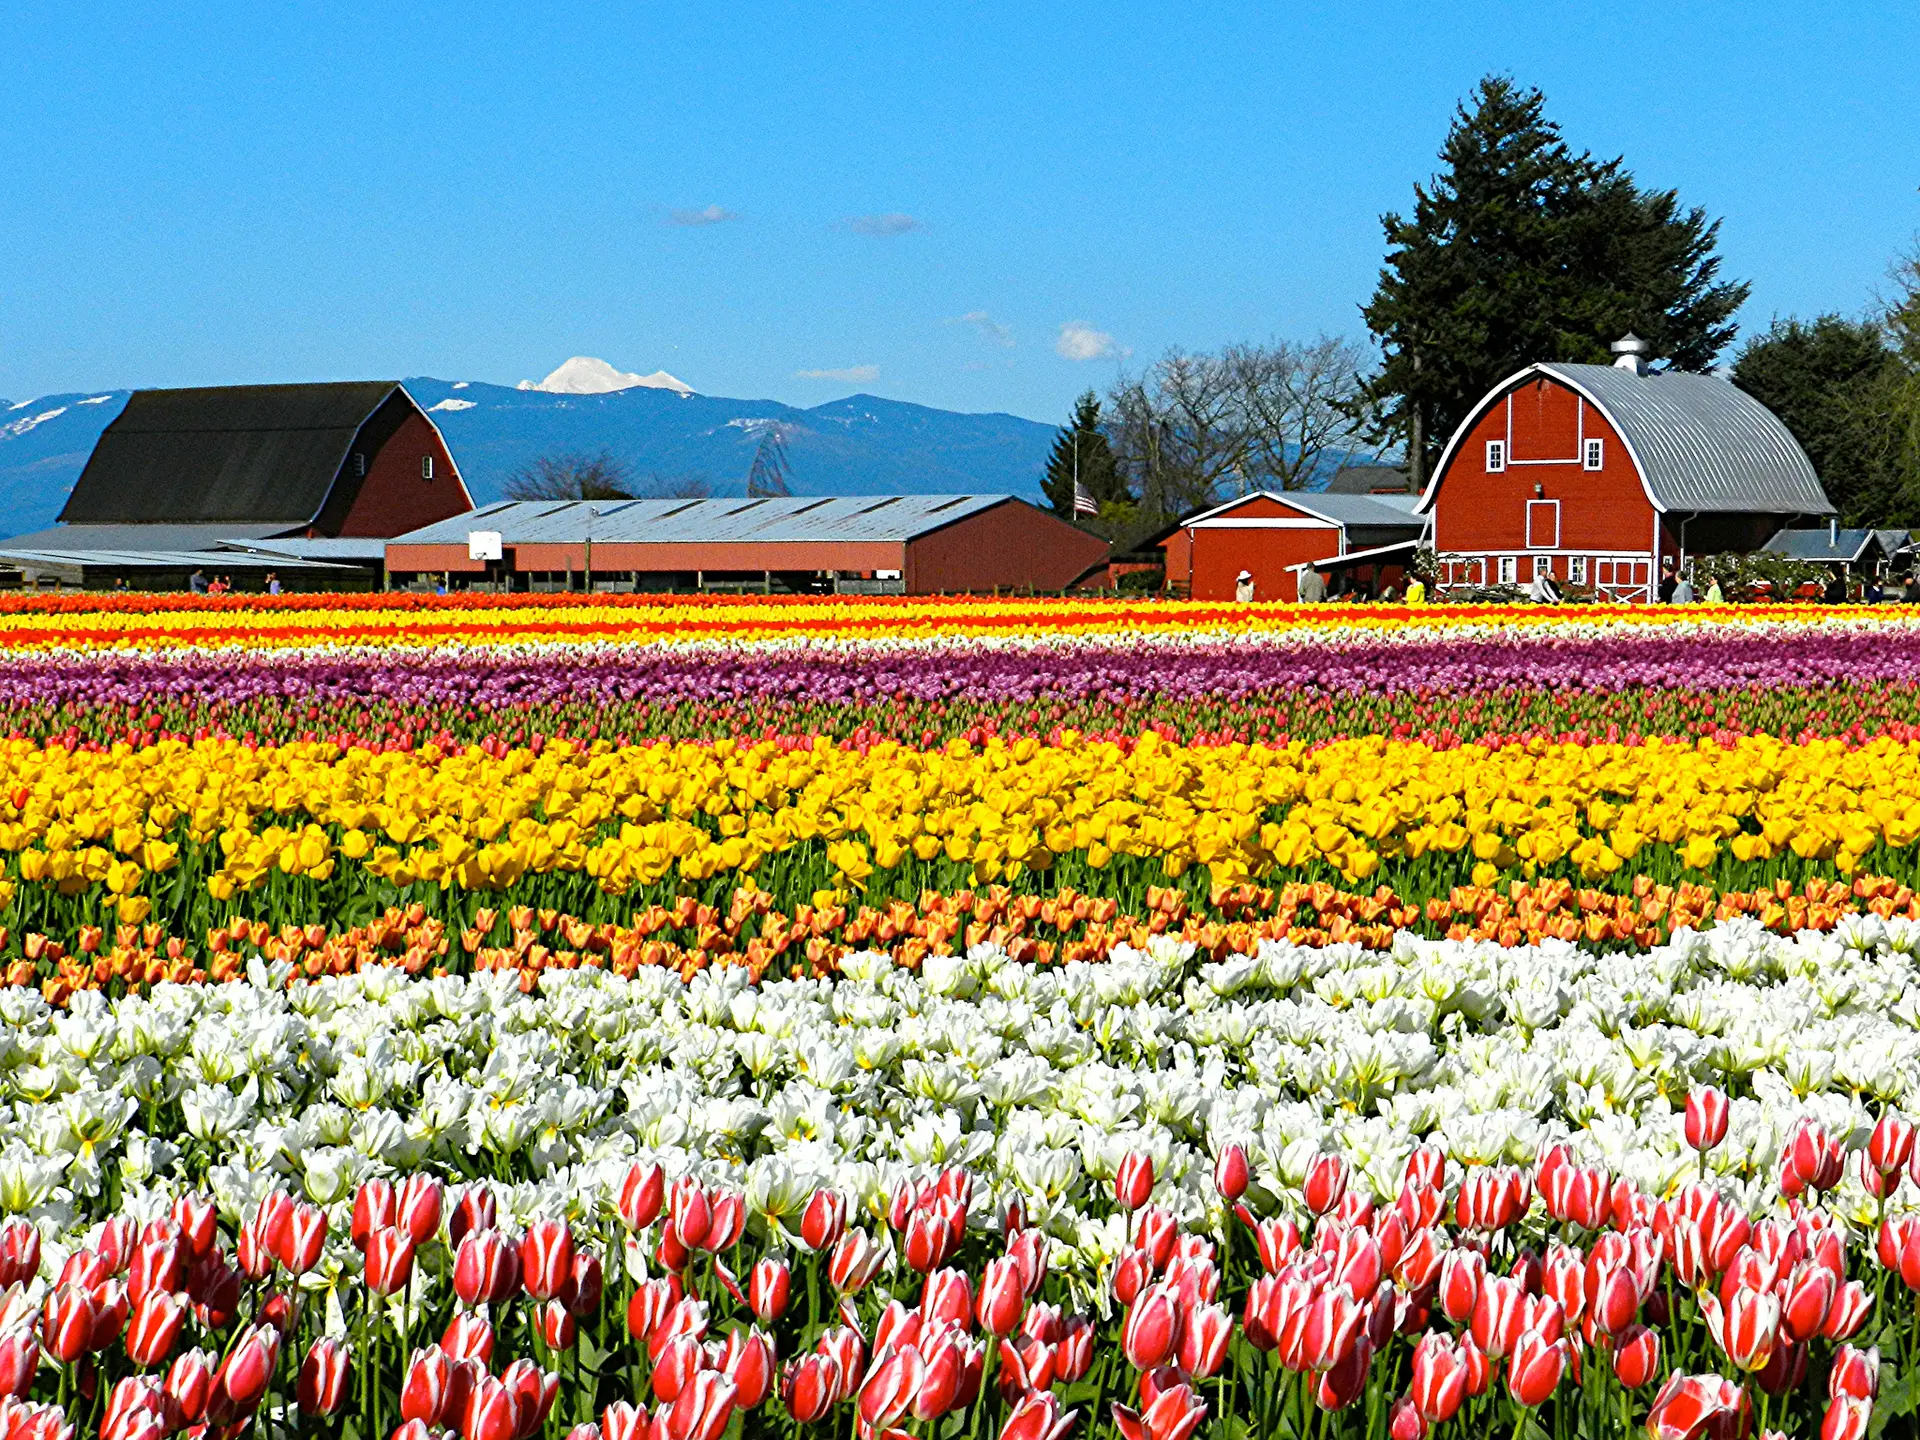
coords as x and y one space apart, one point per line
1600 475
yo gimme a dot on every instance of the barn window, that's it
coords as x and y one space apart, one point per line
1509 569
426 467
1542 565
1496 456
1577 569
359 464
1593 454
1543 524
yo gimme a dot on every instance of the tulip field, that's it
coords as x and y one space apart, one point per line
683 1018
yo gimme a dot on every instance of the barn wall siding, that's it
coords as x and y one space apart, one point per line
1012 546
394 498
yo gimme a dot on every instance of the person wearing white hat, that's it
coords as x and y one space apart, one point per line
1243 587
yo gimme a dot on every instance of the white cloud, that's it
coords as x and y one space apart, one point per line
855 374
1080 341
890 224
990 330
711 215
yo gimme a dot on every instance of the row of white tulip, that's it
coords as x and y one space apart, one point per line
1039 1080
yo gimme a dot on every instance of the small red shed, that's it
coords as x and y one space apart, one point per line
1600 476
1270 534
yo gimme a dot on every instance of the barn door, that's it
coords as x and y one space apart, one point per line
1543 524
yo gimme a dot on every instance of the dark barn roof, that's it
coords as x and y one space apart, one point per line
234 454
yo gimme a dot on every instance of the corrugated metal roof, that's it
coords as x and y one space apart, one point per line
1894 541
139 537
1703 443
354 549
787 518
1357 509
1847 546
228 453
213 562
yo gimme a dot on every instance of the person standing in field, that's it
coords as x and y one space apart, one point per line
1243 587
1312 588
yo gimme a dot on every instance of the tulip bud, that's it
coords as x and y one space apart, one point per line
1636 1356
1133 1182
824 1221
769 1289
416 1206
189 1386
389 1261
1231 1175
1326 1183
155 1327
546 1258
19 1358
641 1195
373 1209
323 1377
810 1389
1707 1114
424 1393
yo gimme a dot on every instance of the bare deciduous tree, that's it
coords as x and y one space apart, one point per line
1195 426
572 476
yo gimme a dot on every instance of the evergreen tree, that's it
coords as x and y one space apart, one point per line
1521 250
1830 380
1081 443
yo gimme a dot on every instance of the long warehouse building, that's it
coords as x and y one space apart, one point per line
898 544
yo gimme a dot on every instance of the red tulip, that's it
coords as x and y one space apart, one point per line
1173 1414
189 1386
650 1301
198 1222
1850 1306
1806 1297
586 1285
154 1328
1707 1113
703 1410
1132 1273
686 1317
1461 1275
1688 1404
160 1266
491 1412
811 1387
546 1258
947 1295
242 1378
373 1209
1133 1181
1326 1183
416 1206
19 1252
19 1358
323 1377
1231 1173
1156 1232
824 1220
1814 1157
642 1193
929 1240
474 1209
1746 1328
621 1421
748 1361
1347 1380
729 1221
1846 1418
1333 1324
1535 1370
485 1268
679 1360
389 1261
1003 1295
1636 1356
1613 1298
1439 1378
1497 1315
532 1392
136 1410
424 1393
769 1289
1854 1372
1151 1333
946 1376
468 1337
1073 1355
558 1329
1038 1417
1404 1421
855 1261
691 1214
1890 1147
303 1238
67 1322
253 1252
1203 1340
272 1218
1278 1241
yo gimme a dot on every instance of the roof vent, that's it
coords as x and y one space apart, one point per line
1630 353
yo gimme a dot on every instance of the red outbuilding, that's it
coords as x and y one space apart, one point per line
1601 476
1271 534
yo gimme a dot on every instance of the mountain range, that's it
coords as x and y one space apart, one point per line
667 436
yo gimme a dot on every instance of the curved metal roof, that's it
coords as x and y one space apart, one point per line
785 518
1702 442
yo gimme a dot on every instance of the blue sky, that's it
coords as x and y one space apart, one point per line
978 206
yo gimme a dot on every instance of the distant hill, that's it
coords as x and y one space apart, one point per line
862 445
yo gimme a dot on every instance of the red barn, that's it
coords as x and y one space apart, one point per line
1602 475
1270 534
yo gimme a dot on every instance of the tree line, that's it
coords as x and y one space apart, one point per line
1518 249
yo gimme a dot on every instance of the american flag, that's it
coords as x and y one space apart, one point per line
1082 501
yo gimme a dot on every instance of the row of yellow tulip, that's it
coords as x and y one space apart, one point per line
226 818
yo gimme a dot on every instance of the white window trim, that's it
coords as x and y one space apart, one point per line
426 467
1577 569
1509 570
1496 457
1593 454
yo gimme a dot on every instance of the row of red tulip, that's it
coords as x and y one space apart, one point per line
1498 1279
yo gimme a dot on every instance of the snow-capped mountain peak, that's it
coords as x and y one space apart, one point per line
585 375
